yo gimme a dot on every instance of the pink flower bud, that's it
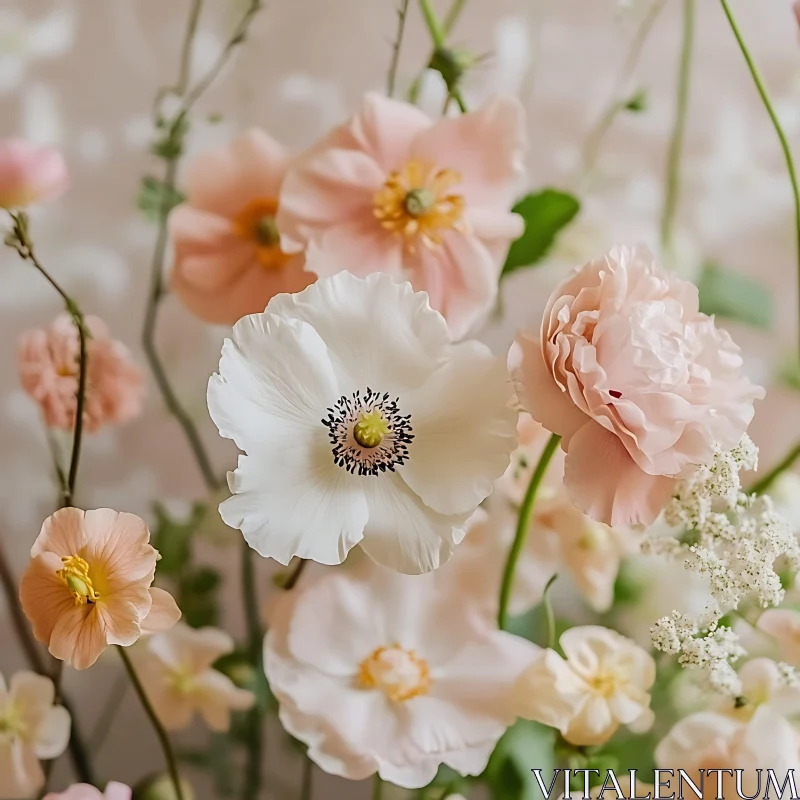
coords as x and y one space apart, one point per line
30 174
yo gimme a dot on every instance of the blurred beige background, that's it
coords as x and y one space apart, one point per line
82 76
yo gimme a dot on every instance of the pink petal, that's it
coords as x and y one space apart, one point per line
496 227
223 180
62 533
538 392
79 637
605 482
330 186
164 613
485 146
385 128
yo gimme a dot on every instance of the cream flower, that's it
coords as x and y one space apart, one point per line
642 387
177 673
84 791
784 625
380 672
708 740
88 584
763 684
603 683
31 728
362 424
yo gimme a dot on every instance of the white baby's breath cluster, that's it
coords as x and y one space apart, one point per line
734 539
789 674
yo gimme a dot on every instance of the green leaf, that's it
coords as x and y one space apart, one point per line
173 538
731 295
198 596
526 746
545 213
157 199
637 102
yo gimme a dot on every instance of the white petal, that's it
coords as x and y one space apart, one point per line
464 431
292 500
380 333
403 533
52 737
275 381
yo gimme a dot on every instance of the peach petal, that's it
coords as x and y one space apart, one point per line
163 615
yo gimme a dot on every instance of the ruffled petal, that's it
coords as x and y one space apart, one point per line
163 615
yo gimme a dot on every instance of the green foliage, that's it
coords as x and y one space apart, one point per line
173 539
219 760
545 213
730 295
156 199
637 102
198 595
525 746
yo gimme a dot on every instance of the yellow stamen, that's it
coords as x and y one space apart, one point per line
256 223
75 575
415 202
399 673
371 429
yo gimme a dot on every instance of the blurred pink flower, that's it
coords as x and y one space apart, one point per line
48 365
84 791
30 174
228 259
394 674
784 625
88 584
425 201
639 383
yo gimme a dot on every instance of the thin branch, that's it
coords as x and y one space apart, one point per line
402 14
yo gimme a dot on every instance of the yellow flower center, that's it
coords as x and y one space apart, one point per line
399 673
604 683
12 723
415 202
256 223
183 680
370 429
75 574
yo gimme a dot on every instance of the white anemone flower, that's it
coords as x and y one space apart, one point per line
31 728
387 673
362 423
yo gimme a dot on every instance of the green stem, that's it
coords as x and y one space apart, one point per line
377 788
765 99
255 645
679 127
452 15
402 14
291 581
166 745
523 524
307 788
548 612
762 484
617 101
438 34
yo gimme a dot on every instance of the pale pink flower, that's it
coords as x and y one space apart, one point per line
49 369
88 584
176 670
84 791
228 258
30 174
425 201
603 682
639 383
31 728
763 684
784 625
708 740
388 673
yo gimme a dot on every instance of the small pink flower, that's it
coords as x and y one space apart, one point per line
639 383
30 174
84 791
228 259
48 365
392 191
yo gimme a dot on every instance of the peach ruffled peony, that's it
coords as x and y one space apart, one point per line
48 367
84 791
31 728
177 673
30 174
425 201
228 259
88 584
640 384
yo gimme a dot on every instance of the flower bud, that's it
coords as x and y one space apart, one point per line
30 174
452 64
160 787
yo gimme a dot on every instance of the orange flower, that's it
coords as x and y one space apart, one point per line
88 584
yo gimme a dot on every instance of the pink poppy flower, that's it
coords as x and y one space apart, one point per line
84 791
393 191
88 584
30 174
228 258
639 383
48 366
